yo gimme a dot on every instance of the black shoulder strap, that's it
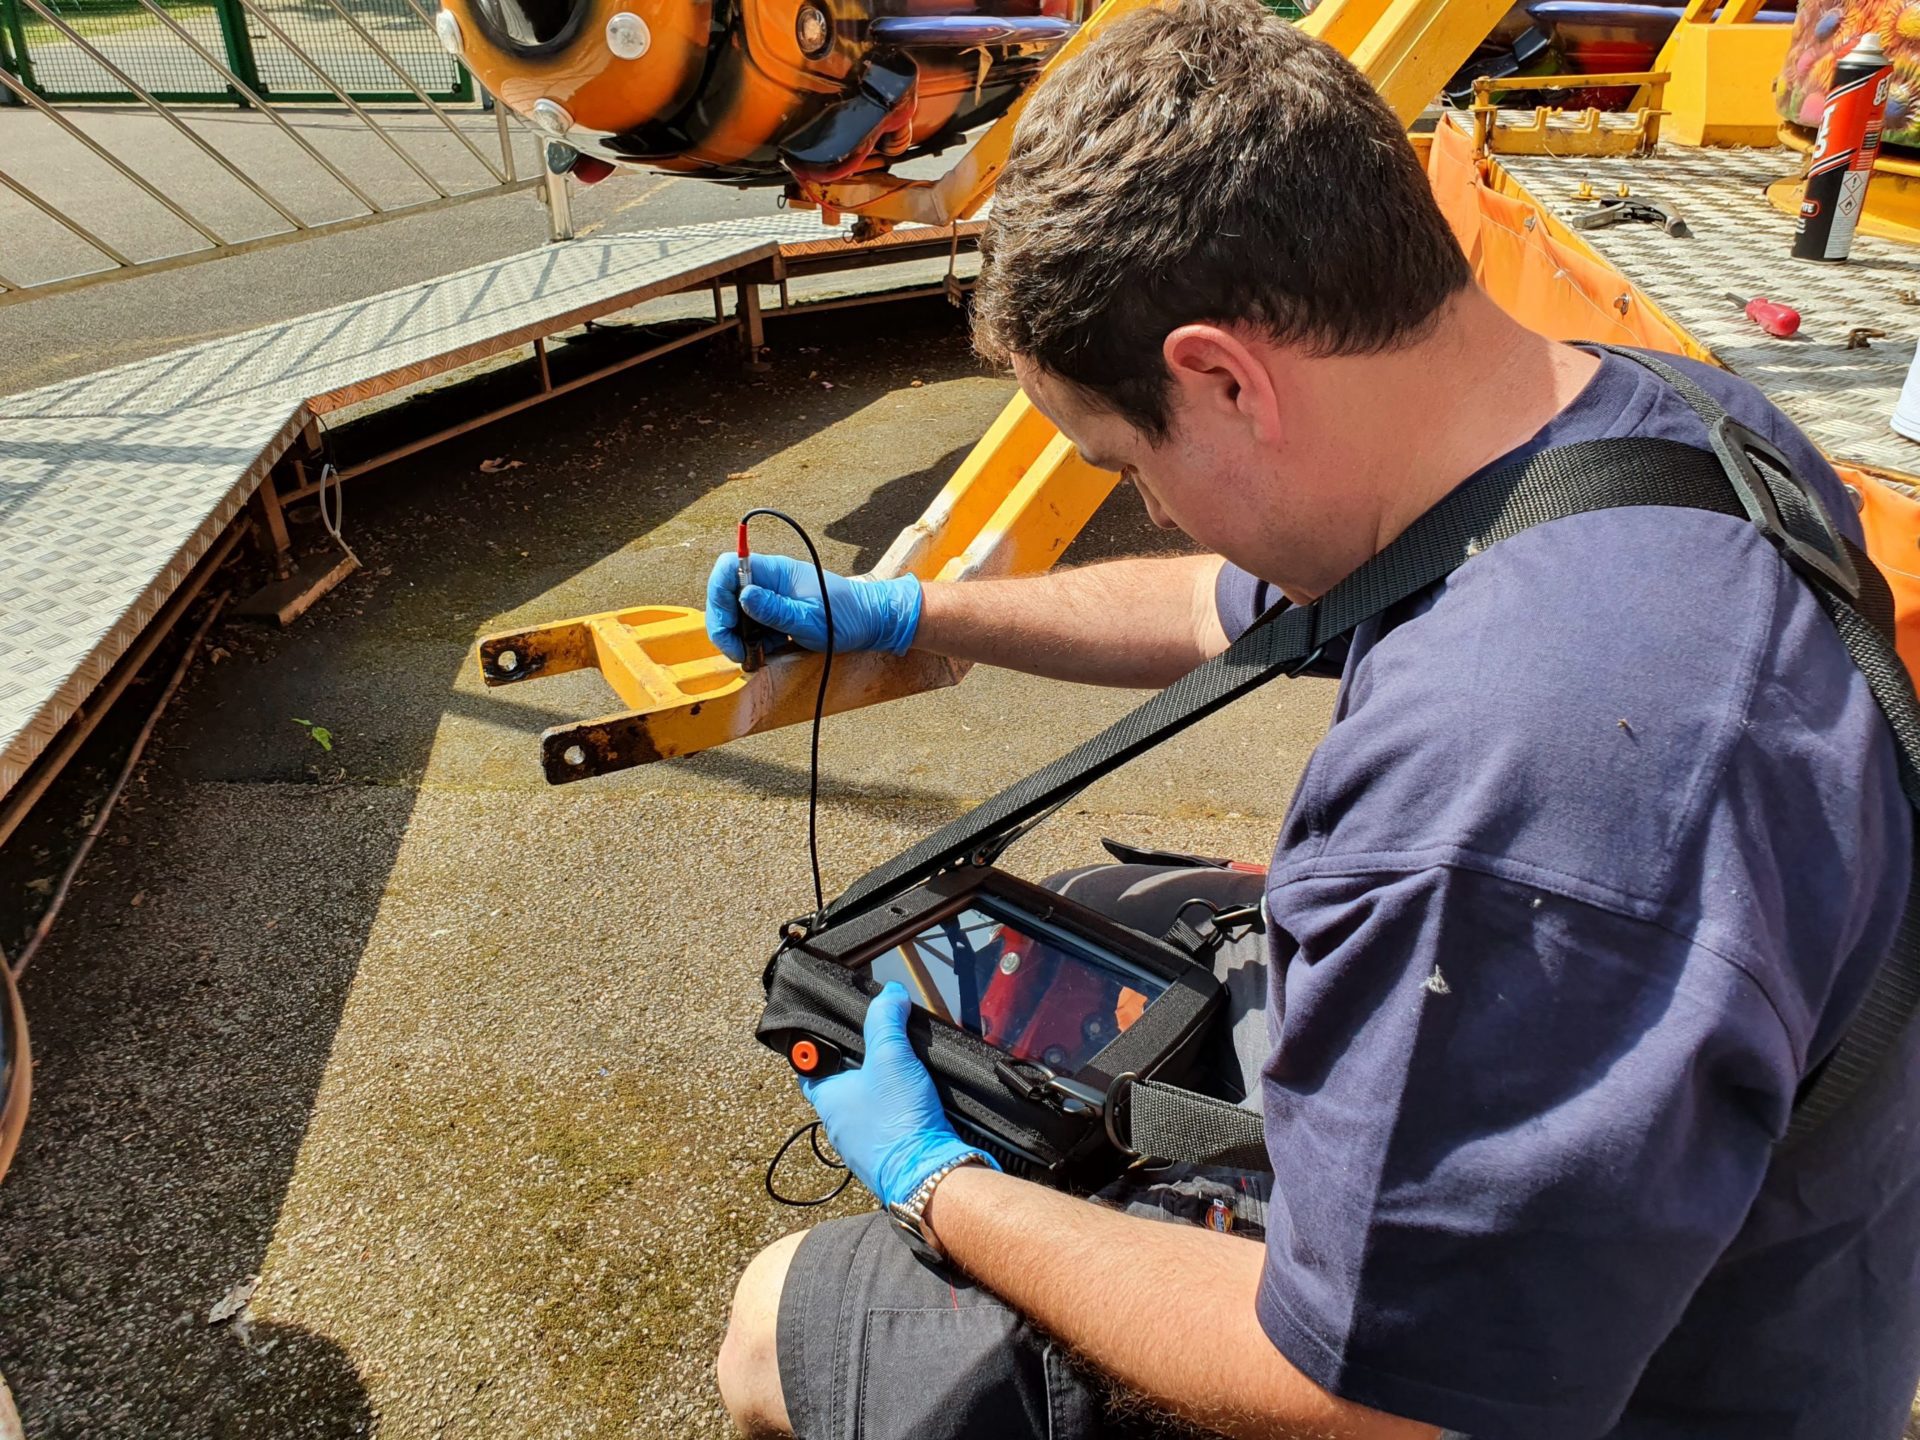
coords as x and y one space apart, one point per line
1742 475
1592 475
1865 622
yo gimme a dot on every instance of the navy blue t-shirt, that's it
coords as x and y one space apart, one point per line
1594 862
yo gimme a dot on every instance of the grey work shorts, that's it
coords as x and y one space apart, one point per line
875 1345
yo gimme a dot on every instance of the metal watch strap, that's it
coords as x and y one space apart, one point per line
909 1216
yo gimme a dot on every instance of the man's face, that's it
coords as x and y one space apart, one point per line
1187 480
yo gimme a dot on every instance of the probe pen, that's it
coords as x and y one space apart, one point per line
752 636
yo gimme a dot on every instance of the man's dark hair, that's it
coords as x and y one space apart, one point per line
1206 162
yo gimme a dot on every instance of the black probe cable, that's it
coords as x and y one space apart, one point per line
812 1129
819 701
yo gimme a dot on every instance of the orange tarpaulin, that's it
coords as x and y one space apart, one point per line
1550 283
1546 283
1892 523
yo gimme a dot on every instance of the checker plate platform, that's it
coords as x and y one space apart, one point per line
1842 398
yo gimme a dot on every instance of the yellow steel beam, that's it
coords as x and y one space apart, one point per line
1011 508
1343 24
1413 47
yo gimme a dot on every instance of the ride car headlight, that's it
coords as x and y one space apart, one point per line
628 36
812 31
550 118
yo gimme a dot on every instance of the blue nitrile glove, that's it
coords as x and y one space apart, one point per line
885 1118
785 596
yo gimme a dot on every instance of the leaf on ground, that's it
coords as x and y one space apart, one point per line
496 465
233 1302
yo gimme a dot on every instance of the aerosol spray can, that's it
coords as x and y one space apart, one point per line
1843 153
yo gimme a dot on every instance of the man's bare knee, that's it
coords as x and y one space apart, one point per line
748 1369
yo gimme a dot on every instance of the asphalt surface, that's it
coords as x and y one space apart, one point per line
460 1065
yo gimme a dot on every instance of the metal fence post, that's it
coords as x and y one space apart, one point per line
233 30
559 206
13 45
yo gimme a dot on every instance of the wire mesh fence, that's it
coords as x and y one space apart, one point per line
89 194
69 50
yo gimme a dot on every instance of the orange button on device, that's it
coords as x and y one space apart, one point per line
805 1056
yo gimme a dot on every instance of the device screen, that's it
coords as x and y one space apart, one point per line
1029 988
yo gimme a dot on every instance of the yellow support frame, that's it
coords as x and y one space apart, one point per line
1014 504
1591 133
1011 508
1723 68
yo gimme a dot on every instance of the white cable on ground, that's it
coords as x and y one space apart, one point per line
333 521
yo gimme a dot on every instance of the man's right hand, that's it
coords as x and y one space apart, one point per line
784 596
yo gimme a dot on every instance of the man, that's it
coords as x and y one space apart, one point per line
1590 870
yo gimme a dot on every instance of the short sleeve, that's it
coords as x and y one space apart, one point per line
1241 599
1511 1132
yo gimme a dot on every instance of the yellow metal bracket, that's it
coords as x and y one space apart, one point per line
1010 509
1723 66
1550 131
1892 210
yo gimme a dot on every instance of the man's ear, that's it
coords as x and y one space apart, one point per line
1219 373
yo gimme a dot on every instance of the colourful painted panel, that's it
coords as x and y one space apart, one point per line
1824 31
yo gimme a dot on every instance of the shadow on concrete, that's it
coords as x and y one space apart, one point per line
181 1021
775 780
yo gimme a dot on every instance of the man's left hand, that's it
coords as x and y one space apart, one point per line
885 1118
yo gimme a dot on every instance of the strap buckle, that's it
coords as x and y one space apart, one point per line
1736 446
1312 659
1038 1083
1116 1097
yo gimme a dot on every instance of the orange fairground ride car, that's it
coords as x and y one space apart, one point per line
802 92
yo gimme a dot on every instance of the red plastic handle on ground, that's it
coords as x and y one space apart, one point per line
1776 319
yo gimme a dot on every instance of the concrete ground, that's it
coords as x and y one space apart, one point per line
460 1065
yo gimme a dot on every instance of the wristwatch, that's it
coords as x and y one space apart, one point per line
909 1216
